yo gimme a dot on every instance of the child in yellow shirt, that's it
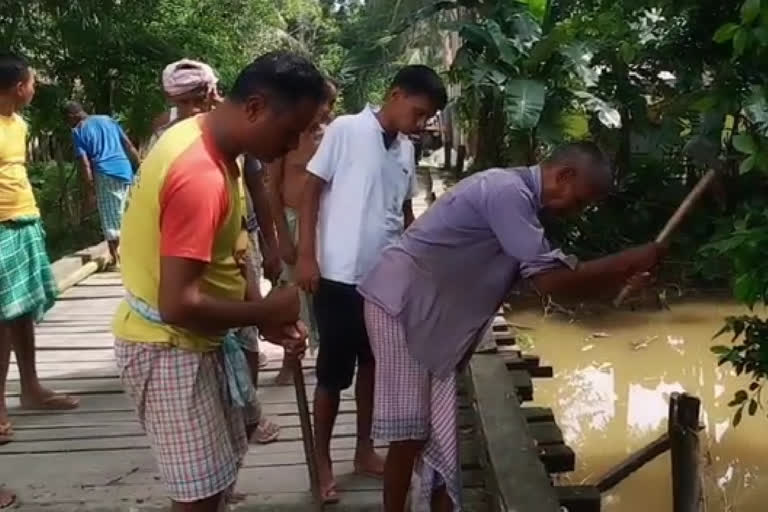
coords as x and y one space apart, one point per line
27 285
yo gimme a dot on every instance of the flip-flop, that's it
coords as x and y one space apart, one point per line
55 403
6 432
8 499
266 432
329 496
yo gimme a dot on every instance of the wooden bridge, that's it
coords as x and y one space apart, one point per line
97 458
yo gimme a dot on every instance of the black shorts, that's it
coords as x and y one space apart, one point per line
343 337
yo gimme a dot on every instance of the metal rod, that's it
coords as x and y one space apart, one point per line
306 430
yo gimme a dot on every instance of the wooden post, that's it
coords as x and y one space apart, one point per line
684 447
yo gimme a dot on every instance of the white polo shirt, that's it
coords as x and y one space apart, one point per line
361 207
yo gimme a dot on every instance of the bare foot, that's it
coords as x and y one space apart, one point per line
328 494
7 498
284 377
47 400
234 498
369 463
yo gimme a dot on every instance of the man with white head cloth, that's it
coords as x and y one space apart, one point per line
191 86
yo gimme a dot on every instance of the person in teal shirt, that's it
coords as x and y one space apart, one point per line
104 153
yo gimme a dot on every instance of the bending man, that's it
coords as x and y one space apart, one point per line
430 297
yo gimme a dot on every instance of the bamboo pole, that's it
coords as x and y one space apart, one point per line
674 222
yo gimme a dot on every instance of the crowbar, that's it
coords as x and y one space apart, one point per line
306 430
677 218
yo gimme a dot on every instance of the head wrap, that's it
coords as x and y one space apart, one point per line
185 76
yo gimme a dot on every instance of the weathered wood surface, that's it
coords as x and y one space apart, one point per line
96 458
517 479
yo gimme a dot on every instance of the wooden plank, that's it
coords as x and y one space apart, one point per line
579 498
109 403
536 414
557 458
140 442
517 477
545 433
529 363
523 383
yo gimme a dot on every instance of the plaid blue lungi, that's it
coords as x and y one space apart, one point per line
111 194
27 284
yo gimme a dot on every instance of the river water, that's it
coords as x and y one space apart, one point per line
614 372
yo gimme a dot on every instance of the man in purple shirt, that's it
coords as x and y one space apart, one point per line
430 296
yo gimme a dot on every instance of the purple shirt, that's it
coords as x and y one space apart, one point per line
449 273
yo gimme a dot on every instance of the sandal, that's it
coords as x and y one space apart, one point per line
6 432
7 498
266 432
329 496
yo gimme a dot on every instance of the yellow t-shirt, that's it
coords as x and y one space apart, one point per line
16 196
185 203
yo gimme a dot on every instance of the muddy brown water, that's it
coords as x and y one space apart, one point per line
614 372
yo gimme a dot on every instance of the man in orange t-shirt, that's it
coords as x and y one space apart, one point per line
185 292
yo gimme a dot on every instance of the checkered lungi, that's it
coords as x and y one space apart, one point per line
111 194
411 404
27 285
198 437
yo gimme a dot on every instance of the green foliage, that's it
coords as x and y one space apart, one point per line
58 189
748 354
744 246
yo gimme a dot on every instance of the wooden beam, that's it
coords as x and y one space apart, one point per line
634 462
523 383
557 458
517 478
537 414
684 447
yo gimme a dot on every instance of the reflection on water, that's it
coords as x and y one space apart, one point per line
614 372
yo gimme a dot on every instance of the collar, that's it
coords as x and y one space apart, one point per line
532 179
369 112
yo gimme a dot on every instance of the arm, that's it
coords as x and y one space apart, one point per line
193 207
254 182
285 241
130 150
408 217
307 271
321 169
182 302
595 276
86 171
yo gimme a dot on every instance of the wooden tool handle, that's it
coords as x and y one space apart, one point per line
672 224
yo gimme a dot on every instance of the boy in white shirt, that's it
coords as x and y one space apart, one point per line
357 200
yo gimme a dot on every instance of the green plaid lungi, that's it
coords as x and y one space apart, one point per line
27 285
111 194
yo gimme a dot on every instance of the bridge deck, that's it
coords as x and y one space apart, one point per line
98 458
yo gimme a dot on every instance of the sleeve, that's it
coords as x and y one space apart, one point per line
193 206
77 143
413 187
323 163
510 213
119 129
